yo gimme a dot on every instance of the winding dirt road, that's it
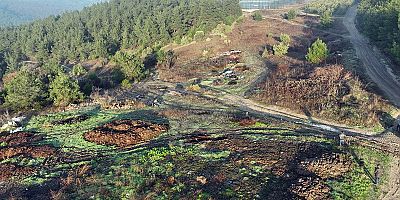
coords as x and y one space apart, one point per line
372 59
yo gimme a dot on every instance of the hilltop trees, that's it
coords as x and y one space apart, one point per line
318 52
103 29
332 6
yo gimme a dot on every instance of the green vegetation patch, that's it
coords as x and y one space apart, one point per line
69 136
359 183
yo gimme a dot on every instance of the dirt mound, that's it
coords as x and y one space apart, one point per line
21 144
16 144
27 151
8 170
71 120
123 133
328 166
20 138
310 188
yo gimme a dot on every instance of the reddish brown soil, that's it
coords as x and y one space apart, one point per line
247 122
27 151
328 166
21 144
20 138
124 133
8 171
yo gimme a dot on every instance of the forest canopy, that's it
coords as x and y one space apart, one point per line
101 30
126 32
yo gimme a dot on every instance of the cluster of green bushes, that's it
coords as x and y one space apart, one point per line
317 53
379 20
36 87
52 83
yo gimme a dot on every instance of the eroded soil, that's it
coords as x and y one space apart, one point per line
124 133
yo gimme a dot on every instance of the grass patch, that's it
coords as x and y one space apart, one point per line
69 136
357 184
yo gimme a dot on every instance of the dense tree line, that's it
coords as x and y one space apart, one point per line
126 32
379 20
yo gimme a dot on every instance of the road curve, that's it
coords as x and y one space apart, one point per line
372 60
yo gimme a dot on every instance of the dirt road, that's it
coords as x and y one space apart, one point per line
372 59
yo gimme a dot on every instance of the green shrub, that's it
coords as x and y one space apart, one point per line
64 90
318 52
78 70
326 19
285 39
199 35
292 14
25 90
126 84
257 16
280 49
131 65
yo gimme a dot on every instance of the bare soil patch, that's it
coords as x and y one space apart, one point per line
21 144
8 171
20 138
27 151
248 36
124 133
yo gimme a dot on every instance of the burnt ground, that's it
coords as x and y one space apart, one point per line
294 169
